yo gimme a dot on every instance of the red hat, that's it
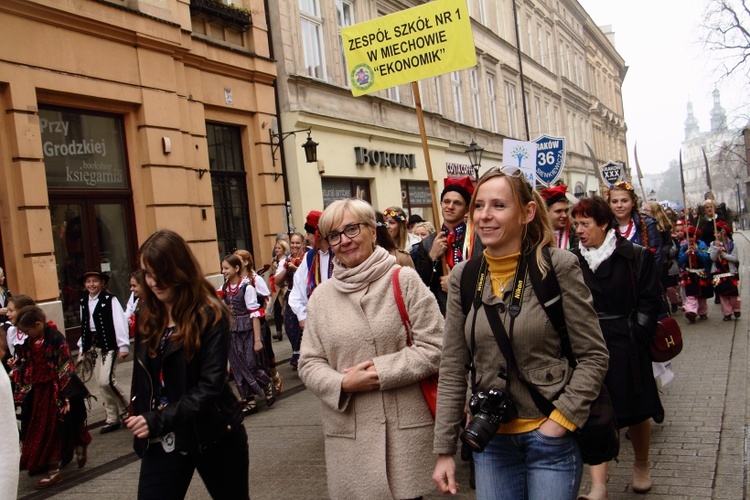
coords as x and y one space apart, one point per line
554 194
691 230
311 221
461 185
723 226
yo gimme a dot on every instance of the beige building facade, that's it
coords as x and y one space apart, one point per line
121 117
567 84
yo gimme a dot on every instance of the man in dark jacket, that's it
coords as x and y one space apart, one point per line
448 242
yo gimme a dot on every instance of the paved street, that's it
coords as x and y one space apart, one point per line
698 452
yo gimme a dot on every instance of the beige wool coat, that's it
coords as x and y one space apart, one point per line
378 444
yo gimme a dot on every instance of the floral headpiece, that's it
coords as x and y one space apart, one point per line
621 185
394 215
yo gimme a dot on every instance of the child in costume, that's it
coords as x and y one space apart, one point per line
725 269
696 278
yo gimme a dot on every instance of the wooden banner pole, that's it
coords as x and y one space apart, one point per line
428 165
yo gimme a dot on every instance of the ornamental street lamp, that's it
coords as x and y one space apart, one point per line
474 152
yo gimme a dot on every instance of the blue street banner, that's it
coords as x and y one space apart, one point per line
550 158
611 172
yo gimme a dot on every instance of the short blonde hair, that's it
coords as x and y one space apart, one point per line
425 224
334 214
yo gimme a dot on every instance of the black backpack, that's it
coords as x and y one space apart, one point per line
599 438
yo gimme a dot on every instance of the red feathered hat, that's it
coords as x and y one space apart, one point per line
461 185
311 221
692 231
554 194
723 226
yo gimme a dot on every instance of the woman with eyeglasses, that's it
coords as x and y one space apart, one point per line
625 286
356 359
531 454
634 226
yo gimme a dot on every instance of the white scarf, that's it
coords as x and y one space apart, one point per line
348 280
595 256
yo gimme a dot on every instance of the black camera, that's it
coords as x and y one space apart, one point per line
488 411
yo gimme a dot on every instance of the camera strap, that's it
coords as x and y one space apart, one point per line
498 330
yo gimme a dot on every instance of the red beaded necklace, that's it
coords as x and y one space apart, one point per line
627 231
233 289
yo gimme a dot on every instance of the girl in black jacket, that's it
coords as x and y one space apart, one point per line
186 416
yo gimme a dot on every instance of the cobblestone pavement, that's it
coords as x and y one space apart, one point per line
698 452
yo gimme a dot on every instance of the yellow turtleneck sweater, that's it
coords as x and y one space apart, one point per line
502 270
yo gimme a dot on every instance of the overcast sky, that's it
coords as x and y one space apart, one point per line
660 43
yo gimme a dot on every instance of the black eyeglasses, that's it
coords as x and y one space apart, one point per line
352 230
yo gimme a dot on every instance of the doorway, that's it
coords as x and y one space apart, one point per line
92 233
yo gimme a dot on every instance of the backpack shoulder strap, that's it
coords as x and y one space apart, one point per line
548 293
468 282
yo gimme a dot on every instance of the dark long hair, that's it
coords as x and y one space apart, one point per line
194 301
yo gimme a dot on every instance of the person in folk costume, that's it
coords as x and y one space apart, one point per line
315 268
104 332
451 241
695 262
708 220
245 347
725 270
632 225
673 280
285 277
46 376
267 357
558 209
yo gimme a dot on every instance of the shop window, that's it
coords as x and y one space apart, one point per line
416 199
341 189
229 186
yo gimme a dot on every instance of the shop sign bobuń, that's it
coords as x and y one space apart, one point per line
384 159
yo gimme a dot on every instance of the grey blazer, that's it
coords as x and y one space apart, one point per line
536 346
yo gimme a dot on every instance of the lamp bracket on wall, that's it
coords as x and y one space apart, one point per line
310 146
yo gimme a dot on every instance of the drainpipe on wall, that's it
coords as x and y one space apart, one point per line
287 201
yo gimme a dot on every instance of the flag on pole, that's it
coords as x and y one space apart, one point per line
708 172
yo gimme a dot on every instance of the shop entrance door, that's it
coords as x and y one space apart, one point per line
91 234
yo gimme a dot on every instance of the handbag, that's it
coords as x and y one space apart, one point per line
667 340
667 343
429 384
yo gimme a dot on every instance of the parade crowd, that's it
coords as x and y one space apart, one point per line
519 312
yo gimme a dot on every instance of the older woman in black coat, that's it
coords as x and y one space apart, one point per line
624 283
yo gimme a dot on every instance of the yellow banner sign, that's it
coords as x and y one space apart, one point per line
408 46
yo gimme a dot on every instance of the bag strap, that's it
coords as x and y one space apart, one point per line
547 290
469 277
401 306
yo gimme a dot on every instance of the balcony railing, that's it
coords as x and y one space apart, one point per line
214 10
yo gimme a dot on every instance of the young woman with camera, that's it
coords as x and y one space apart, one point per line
529 455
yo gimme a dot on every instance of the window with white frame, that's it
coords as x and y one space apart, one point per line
538 115
475 100
483 12
438 94
530 36
556 116
547 119
344 18
312 38
492 98
393 93
458 108
540 44
511 107
550 54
